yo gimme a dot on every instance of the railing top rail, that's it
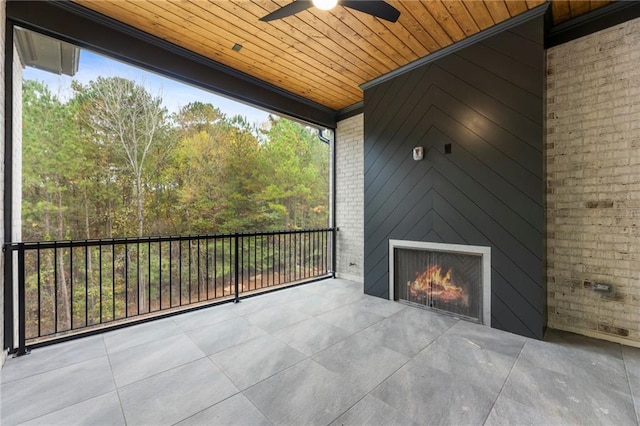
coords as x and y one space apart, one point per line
36 245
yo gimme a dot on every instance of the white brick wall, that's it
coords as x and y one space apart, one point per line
350 198
593 183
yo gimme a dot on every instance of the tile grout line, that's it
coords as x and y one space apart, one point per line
115 385
219 402
369 393
86 399
133 329
46 371
306 358
505 382
626 370
242 391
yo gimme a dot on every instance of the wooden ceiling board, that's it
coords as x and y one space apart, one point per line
364 38
378 34
262 43
498 10
516 7
347 43
420 21
266 54
478 10
323 56
413 35
461 15
579 7
296 35
561 10
599 3
441 14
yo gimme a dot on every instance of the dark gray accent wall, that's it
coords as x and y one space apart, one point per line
486 100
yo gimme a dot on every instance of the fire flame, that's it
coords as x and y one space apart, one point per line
440 287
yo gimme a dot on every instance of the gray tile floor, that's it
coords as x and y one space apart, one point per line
322 354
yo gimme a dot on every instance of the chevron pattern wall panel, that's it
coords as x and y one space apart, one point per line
486 101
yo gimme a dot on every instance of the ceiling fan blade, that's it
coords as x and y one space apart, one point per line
380 9
288 10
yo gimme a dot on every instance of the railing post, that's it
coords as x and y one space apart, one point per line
334 247
236 268
22 338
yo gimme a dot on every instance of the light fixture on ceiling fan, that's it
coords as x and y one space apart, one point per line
377 8
325 4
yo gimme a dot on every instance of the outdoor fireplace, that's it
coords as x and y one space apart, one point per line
448 278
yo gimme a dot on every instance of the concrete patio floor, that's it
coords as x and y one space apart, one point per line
320 354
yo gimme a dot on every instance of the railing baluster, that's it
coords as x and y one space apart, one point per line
86 285
160 275
215 268
138 278
39 291
206 265
198 265
292 256
324 252
22 300
189 271
71 287
100 278
149 274
188 283
126 280
236 271
113 282
55 288
223 276
240 268
290 275
180 271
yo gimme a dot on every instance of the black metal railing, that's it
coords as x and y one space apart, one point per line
66 287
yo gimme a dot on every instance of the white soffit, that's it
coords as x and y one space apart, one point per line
46 53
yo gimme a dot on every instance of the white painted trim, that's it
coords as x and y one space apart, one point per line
485 252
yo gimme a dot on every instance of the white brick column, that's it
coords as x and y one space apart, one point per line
350 198
593 183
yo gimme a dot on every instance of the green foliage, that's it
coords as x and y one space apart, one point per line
112 162
297 192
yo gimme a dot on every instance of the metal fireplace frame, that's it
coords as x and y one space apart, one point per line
483 252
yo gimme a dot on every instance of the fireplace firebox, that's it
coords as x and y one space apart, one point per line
448 278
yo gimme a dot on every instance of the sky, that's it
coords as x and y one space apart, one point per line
174 94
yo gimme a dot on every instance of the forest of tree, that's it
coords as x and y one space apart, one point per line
111 161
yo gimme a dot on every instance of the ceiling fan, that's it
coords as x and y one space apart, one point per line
379 8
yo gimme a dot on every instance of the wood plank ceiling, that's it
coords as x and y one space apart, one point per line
323 56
